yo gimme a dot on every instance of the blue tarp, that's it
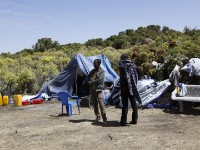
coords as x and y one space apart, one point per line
150 91
79 65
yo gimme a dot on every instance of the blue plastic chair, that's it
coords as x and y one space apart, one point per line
64 97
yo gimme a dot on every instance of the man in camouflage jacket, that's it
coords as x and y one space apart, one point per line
96 84
128 85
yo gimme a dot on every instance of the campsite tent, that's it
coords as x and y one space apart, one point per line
192 67
78 69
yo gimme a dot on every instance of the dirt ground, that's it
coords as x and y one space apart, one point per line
40 127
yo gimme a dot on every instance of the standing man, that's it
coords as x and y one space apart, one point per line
96 84
128 85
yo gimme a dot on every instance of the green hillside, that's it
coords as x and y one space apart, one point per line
24 72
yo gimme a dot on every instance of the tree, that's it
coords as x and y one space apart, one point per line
8 74
189 31
24 52
44 44
26 78
165 29
95 42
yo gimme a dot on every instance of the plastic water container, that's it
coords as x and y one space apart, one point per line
37 101
5 100
1 102
26 102
18 100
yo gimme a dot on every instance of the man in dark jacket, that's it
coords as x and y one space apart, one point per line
96 83
128 85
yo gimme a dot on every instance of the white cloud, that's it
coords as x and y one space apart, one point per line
13 4
14 15
11 19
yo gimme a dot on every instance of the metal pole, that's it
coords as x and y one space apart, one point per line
76 81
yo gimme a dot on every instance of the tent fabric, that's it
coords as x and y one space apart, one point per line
79 65
44 88
192 67
110 74
175 75
151 91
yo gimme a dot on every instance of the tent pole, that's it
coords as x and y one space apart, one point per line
76 81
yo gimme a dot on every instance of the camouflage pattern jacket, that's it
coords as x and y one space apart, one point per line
129 79
96 79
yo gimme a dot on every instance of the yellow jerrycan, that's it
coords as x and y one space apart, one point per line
1 101
5 100
17 100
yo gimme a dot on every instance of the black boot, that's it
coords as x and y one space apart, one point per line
123 121
104 119
134 117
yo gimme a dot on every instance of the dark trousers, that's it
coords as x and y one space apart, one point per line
132 99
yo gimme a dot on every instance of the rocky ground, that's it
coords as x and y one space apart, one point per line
36 127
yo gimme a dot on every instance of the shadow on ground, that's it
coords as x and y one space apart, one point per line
194 111
60 115
96 123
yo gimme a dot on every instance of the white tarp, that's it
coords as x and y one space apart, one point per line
27 97
150 90
175 75
192 67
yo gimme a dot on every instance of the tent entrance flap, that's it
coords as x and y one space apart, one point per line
82 86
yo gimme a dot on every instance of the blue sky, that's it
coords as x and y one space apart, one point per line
23 22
